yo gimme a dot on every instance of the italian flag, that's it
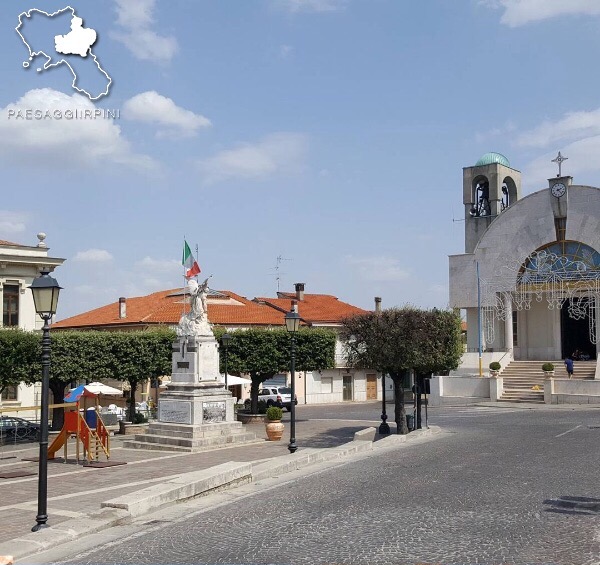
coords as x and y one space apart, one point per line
188 261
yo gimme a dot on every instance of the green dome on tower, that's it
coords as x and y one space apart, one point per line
492 157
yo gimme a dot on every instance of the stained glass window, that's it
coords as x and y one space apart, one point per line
563 260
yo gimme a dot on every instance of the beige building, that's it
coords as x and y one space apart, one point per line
19 265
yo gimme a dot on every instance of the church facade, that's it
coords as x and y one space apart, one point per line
529 277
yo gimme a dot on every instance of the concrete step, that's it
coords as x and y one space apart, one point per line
154 446
207 430
162 447
519 400
197 441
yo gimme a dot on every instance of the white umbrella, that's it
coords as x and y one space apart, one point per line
101 388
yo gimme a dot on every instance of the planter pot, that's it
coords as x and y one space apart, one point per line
494 373
274 430
548 374
250 418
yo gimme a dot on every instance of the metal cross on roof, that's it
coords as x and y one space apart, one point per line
559 160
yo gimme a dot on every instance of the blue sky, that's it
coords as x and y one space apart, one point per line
329 132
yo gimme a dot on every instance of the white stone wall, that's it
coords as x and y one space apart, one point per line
447 390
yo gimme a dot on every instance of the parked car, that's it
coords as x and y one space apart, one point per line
280 396
14 429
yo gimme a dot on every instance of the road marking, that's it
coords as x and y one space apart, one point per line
568 431
25 505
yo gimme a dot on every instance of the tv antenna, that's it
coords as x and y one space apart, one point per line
454 220
278 272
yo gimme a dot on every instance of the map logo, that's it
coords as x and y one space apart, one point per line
71 48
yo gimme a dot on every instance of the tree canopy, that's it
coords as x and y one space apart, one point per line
19 358
398 340
85 356
263 353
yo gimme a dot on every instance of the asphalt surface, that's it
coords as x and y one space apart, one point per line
499 486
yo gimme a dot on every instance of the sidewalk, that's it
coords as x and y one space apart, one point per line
75 491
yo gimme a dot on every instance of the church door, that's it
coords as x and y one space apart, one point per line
575 334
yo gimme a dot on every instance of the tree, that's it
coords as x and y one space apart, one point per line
138 356
262 353
19 358
398 340
85 356
75 357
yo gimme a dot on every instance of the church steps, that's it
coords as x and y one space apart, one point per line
519 378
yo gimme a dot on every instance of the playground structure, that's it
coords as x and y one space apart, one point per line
95 439
86 428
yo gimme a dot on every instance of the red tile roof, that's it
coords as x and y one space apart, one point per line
2 242
166 307
314 308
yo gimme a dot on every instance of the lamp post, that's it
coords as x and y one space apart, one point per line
292 323
45 292
384 427
225 339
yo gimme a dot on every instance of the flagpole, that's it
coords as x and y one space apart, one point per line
184 279
196 257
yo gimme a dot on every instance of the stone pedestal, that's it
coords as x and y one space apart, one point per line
195 395
196 412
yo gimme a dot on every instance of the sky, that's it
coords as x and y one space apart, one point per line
329 133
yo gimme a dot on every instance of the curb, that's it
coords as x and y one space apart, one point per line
124 509
188 485
36 542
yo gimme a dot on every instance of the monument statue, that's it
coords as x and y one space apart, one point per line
195 322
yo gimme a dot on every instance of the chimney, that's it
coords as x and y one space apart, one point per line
299 291
294 307
378 304
122 308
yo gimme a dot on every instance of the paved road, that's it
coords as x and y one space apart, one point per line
501 486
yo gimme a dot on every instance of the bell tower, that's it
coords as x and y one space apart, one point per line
489 188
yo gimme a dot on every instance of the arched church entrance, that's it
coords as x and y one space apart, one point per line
549 301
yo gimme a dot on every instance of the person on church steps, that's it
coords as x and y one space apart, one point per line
569 366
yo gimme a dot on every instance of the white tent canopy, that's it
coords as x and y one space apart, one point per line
101 388
233 380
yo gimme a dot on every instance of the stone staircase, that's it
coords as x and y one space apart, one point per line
175 437
519 378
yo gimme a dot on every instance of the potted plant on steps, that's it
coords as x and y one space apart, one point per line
548 369
495 368
273 423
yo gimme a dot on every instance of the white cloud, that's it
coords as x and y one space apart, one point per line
574 125
93 256
312 5
275 154
63 143
378 269
136 18
576 134
150 265
151 107
12 222
582 158
521 12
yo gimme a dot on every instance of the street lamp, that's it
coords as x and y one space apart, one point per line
225 339
384 427
45 292
292 323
